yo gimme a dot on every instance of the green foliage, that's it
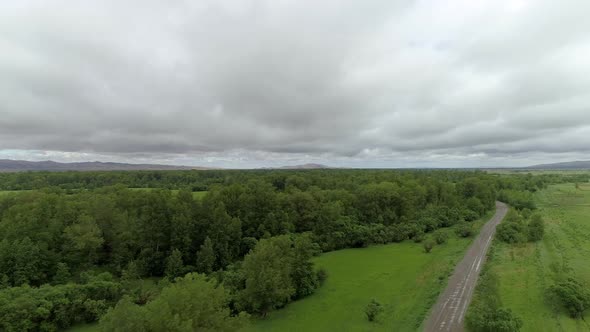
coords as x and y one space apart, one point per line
52 308
573 295
174 265
486 313
21 262
92 221
267 271
441 237
516 229
373 309
518 199
305 279
192 303
495 320
536 228
464 230
428 245
62 275
206 257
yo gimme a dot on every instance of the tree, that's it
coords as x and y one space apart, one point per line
206 257
62 274
267 271
174 265
84 239
536 228
305 280
193 303
373 309
428 245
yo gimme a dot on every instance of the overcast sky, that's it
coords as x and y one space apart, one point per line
259 83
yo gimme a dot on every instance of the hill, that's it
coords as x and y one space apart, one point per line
305 166
563 165
7 165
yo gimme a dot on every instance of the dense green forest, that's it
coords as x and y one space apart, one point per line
81 247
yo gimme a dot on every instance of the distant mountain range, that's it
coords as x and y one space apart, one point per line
7 165
563 166
305 166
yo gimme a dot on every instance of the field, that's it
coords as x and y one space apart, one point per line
526 271
400 276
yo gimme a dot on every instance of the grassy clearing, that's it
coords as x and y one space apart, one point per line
525 271
9 192
401 276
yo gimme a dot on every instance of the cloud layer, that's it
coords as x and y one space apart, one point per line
246 83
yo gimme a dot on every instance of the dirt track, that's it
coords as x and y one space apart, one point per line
449 311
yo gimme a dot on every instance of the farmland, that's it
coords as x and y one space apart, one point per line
525 271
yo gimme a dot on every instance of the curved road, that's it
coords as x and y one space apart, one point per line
449 311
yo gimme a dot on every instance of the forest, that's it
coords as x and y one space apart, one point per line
79 247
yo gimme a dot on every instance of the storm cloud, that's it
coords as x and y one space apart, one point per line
254 83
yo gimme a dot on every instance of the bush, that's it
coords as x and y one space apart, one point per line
512 232
536 228
428 245
573 295
322 275
464 230
373 310
441 237
496 320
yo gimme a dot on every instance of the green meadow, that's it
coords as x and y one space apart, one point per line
525 271
404 279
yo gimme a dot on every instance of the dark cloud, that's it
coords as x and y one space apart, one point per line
252 82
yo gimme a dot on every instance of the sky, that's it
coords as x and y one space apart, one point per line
242 84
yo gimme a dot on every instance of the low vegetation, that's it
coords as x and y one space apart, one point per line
373 310
541 263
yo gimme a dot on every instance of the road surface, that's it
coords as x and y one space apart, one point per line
449 311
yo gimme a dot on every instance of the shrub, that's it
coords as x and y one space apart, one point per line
512 232
536 228
322 275
573 295
464 230
494 319
428 245
441 237
373 310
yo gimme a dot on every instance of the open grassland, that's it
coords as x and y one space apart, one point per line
526 271
400 276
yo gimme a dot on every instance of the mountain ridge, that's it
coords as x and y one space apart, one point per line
9 165
578 164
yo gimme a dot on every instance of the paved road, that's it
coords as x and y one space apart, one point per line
449 311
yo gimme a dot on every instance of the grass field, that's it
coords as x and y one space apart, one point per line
526 271
401 276
8 192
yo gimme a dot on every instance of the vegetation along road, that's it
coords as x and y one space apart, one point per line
449 311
